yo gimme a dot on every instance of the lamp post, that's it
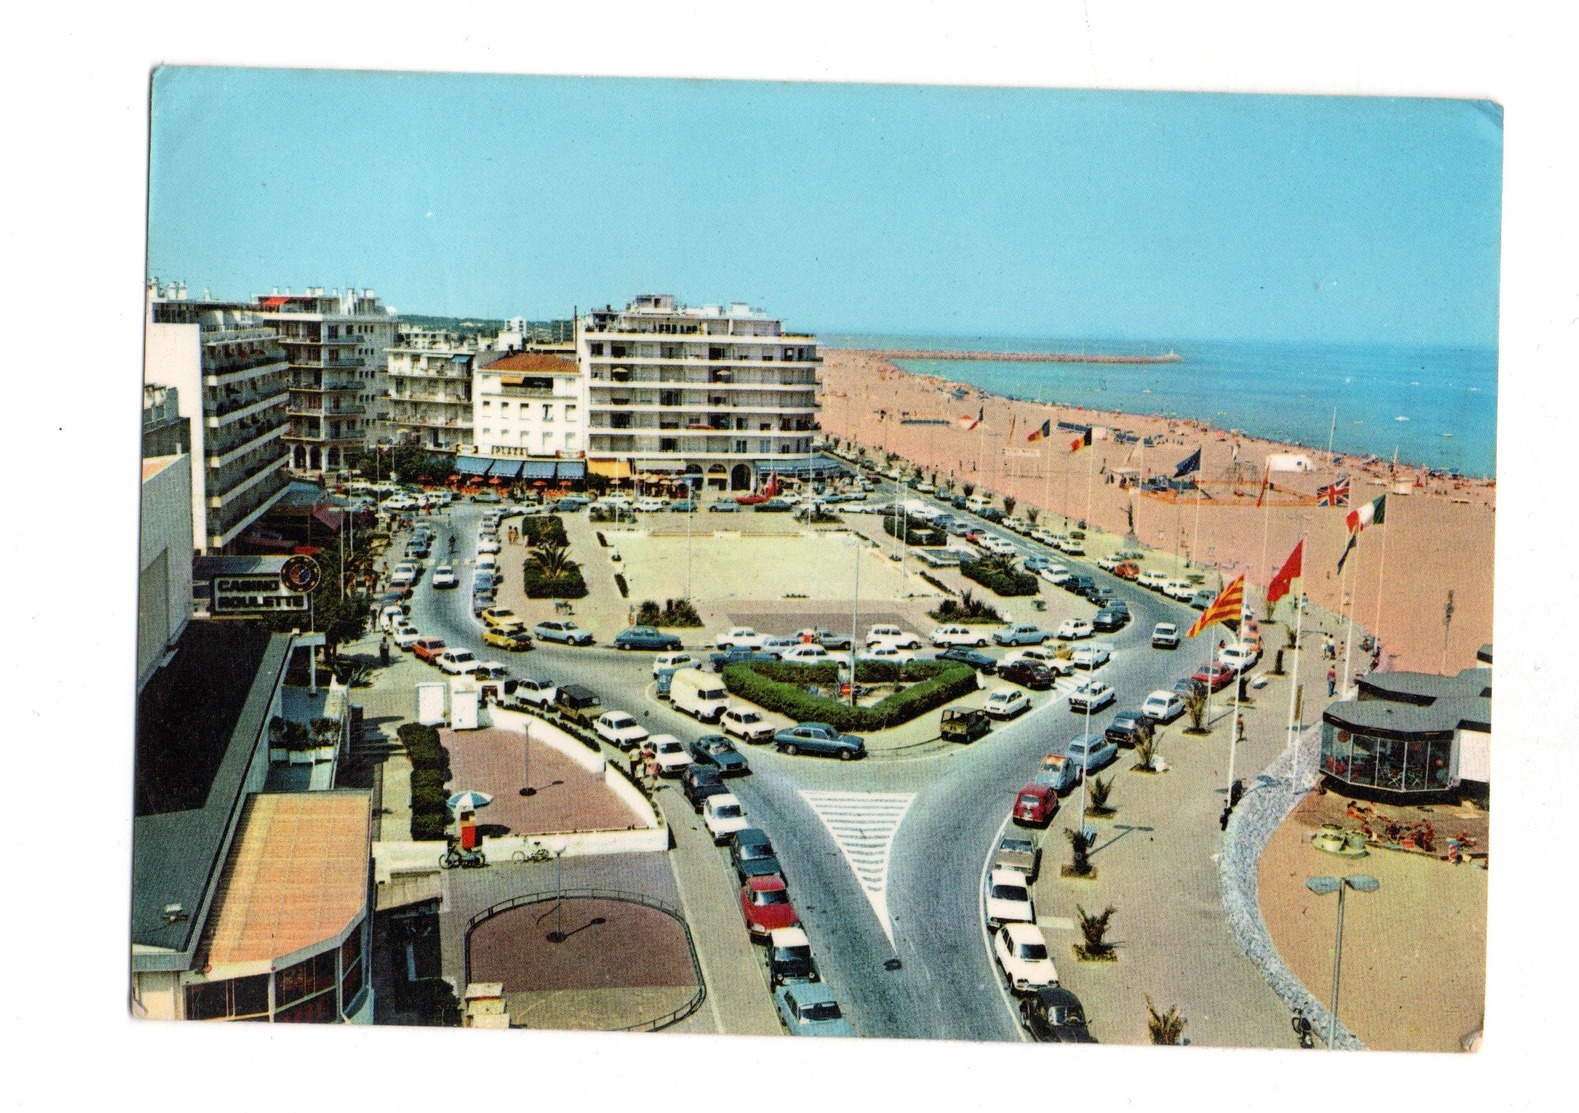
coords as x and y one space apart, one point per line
855 613
1322 886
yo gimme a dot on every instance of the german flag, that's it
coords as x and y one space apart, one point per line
1227 607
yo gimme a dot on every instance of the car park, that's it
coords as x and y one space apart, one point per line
427 649
577 703
444 577
1092 655
457 661
746 723
717 752
1091 695
790 958
976 660
1008 899
751 854
555 630
699 783
957 635
809 1009
533 691
1163 706
645 637
1018 852
1072 629
1214 676
1129 728
765 904
1021 953
1019 633
805 655
619 728
820 739
1053 1014
1165 635
723 815
892 635
1006 703
508 637
1028 674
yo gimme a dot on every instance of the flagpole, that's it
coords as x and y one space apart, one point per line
1333 432
1091 471
1293 688
1348 600
1381 570
1195 534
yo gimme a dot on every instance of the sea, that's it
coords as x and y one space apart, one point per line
1432 406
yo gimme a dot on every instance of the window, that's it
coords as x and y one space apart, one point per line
307 978
668 444
548 412
740 447
233 999
570 413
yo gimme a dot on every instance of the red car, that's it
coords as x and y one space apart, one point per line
1215 676
1127 570
765 903
428 649
1035 804
750 500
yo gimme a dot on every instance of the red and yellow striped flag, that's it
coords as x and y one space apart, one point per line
1227 607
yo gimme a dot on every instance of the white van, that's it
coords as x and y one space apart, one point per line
696 693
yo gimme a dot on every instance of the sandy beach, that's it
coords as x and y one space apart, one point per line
1437 538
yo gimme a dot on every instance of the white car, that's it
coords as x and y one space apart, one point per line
892 635
1042 656
444 576
1238 658
743 637
619 728
1072 629
999 545
534 691
1162 706
945 636
723 815
805 655
457 662
672 756
746 723
1152 578
884 652
1165 636
649 505
1008 899
1021 951
488 544
1092 656
1091 695
1182 590
1006 703
1108 563
1054 573
673 662
406 635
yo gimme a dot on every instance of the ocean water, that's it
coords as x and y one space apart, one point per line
1434 406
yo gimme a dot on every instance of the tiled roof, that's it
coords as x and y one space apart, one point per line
541 363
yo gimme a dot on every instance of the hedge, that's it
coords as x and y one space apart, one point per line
914 532
539 529
423 748
427 779
1015 583
428 826
761 683
570 585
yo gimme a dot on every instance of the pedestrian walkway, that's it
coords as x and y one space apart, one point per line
863 825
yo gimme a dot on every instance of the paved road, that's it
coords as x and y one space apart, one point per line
943 984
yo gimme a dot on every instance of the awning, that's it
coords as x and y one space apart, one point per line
273 303
610 469
505 469
659 465
802 466
570 469
471 465
537 469
328 516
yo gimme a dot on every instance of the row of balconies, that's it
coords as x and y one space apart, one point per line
430 422
712 355
240 436
648 401
440 399
722 379
225 512
224 477
443 371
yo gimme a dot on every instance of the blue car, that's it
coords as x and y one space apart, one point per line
645 637
809 1009
819 738
716 750
1036 563
685 506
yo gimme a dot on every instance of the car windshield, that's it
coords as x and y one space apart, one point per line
668 747
461 655
755 851
728 811
771 896
749 717
1031 951
792 954
621 721
822 1010
1030 800
1017 846
1009 892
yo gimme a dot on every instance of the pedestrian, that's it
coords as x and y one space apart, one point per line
1332 679
383 651
1329 648
1239 728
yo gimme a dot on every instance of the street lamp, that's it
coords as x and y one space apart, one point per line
855 612
1323 886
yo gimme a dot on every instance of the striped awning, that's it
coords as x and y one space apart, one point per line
570 469
471 465
505 469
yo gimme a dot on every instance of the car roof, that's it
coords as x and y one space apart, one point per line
754 835
1038 790
1023 933
789 937
1005 876
768 883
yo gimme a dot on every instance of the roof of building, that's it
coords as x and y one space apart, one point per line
207 567
153 465
1483 654
297 875
539 363
1417 704
1426 688
201 721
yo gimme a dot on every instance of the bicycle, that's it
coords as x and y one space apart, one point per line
540 854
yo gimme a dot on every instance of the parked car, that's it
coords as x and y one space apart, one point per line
892 635
1238 658
1110 618
963 725
884 652
673 661
805 655
809 1009
670 753
457 661
1021 953
1027 673
819 738
578 704
1054 1015
1018 852
1127 570
746 723
1153 579
508 637
1006 703
1203 598
721 660
619 728
1020 633
1072 629
751 854
723 815
979 661
1008 899
828 639
1182 590
1055 574
722 508
645 637
444 577
1091 695
1163 706
428 649
790 958
1035 805
405 635
1079 584
557 630
956 635
741 637
1036 563
700 782
765 904
501 616
533 691
1092 655
1213 676
1089 752
1165 635
716 751
1129 728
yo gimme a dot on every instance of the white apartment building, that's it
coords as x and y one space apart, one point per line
430 389
725 394
528 404
231 380
337 344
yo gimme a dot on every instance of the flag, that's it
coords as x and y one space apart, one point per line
1082 441
968 422
1347 549
1335 493
1291 570
773 485
1010 437
1227 607
1265 476
1045 431
1372 513
1190 463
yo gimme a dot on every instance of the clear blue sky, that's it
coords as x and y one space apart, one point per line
947 211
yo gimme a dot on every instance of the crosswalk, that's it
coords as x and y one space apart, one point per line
863 825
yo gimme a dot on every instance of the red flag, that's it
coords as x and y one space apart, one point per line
1227 607
1265 475
1286 576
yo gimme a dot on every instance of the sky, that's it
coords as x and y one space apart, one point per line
839 208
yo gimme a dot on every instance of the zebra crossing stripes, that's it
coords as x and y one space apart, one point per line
863 825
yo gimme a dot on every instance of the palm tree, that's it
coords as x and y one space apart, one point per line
1195 707
1031 514
1080 842
1145 752
1099 791
1165 1029
968 489
1093 927
1009 503
552 560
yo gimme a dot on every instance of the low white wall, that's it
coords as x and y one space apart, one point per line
619 784
390 858
549 735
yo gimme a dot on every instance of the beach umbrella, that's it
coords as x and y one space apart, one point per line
469 801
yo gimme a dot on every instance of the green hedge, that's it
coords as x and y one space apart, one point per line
768 685
571 585
427 779
540 529
428 826
1015 583
914 533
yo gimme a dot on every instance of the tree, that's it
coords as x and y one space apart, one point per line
1009 503
1093 928
1031 514
1099 792
1195 707
1165 1029
1146 753
551 560
1080 842
968 488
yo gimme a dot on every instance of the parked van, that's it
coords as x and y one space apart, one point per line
698 694
577 703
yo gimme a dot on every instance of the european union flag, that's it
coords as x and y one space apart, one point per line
1190 463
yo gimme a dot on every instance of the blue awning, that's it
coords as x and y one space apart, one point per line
571 469
471 465
537 469
505 469
800 465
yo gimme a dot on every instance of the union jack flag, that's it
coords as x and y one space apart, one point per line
1335 493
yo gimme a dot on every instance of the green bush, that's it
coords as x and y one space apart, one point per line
423 748
938 682
1006 584
540 529
675 612
428 826
914 532
967 611
429 798
568 585
427 779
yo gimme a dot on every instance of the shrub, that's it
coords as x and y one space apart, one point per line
619 582
937 583
543 529
968 611
1009 504
675 612
1005 583
913 532
773 686
1093 927
569 584
426 779
429 799
428 826
1166 1029
423 748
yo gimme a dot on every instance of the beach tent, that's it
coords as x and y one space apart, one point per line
1289 461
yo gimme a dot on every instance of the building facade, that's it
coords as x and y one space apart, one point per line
721 394
337 347
164 570
528 404
230 384
430 389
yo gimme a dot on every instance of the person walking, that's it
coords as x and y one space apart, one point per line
1332 679
1239 728
383 651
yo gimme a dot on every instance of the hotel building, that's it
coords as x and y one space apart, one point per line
430 389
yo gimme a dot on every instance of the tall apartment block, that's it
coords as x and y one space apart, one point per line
725 394
430 389
337 345
230 385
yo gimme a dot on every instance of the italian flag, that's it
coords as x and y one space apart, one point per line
1373 513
